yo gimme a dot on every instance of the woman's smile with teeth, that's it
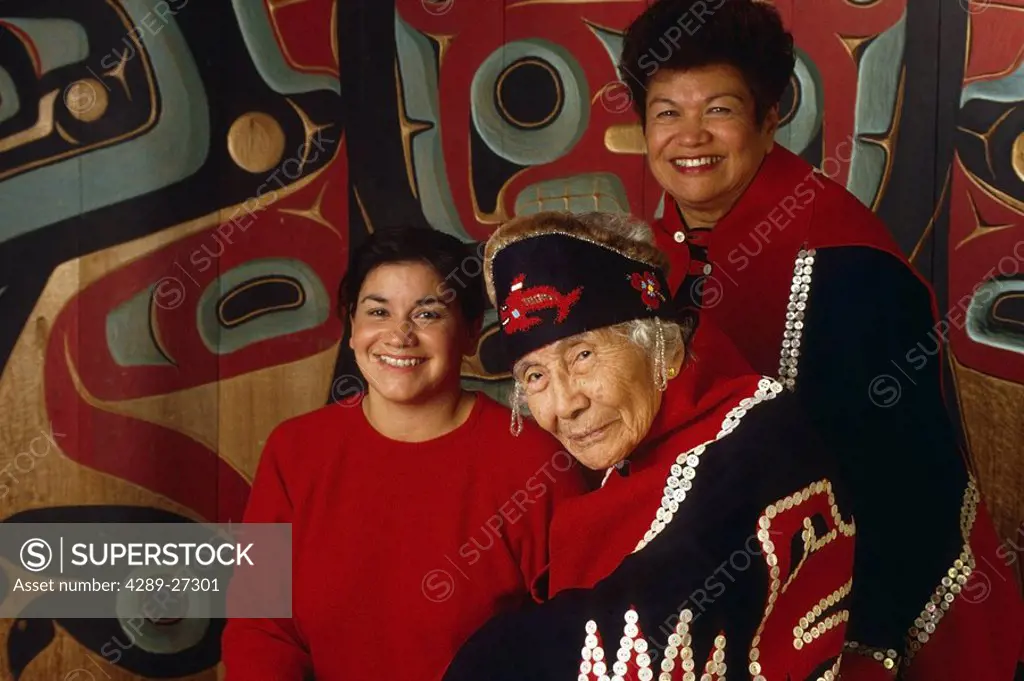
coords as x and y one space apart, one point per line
697 162
401 362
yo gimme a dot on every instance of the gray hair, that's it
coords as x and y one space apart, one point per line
644 333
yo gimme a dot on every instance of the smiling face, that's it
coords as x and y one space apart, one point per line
407 337
595 392
704 145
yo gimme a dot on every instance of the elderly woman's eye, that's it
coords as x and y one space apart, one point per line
533 376
583 354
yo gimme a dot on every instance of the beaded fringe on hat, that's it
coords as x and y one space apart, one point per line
516 426
660 365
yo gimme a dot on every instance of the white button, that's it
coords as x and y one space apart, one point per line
707 269
679 237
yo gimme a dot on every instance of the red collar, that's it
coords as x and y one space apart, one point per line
779 202
673 223
693 407
707 378
788 206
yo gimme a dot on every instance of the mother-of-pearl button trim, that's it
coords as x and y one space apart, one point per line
799 292
953 583
678 650
888 658
684 470
680 480
633 648
833 673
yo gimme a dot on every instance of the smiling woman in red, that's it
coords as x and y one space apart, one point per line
415 514
809 285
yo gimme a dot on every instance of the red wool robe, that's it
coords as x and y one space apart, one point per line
812 289
399 550
723 533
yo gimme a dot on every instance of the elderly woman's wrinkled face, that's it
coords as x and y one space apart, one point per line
595 392
704 144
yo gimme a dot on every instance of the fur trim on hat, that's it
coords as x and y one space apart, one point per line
624 234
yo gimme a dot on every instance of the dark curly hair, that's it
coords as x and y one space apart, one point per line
685 34
458 265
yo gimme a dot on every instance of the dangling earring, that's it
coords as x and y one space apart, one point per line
516 427
660 366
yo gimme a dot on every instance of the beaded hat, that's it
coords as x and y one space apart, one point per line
554 275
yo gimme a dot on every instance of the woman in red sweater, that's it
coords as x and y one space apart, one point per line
415 514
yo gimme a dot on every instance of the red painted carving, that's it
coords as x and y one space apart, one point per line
996 248
476 30
304 30
819 29
156 457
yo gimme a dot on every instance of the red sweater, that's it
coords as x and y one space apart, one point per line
400 550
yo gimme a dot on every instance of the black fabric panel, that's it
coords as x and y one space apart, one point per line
771 454
869 378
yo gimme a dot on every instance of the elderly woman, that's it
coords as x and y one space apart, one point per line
809 285
719 538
